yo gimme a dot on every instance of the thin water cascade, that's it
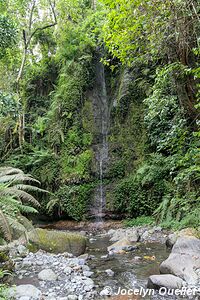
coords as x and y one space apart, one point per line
102 120
103 146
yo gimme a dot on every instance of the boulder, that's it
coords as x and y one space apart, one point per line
184 260
187 232
58 241
130 233
47 275
122 245
25 290
171 240
168 281
187 245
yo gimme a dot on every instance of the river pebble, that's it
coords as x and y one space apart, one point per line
56 277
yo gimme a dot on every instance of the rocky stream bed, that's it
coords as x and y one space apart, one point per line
106 263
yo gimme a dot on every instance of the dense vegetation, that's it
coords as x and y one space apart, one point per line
151 54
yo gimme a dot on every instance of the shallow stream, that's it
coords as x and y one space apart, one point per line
131 270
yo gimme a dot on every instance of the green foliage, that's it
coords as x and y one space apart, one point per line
164 116
140 21
7 34
72 201
140 194
140 221
3 291
14 194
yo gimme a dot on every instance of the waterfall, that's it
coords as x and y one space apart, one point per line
101 117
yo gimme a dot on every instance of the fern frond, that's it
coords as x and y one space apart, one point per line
24 196
51 204
14 178
27 187
9 171
27 209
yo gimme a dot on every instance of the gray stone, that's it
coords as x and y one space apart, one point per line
171 240
89 284
26 263
107 291
84 256
22 250
47 275
158 229
25 290
131 234
72 297
110 272
68 270
145 235
168 281
187 245
184 260
25 298
85 268
88 273
119 246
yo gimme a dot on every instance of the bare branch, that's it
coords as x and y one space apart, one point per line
31 16
27 41
39 29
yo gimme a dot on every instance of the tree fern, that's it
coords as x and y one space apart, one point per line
14 194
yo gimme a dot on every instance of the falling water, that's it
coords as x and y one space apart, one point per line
101 116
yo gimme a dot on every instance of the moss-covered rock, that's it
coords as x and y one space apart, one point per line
57 241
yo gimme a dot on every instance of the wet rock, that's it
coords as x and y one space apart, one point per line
84 256
106 292
145 236
130 233
58 241
47 275
88 284
68 270
122 245
26 290
26 263
72 297
137 258
184 260
171 240
22 250
25 298
168 281
110 272
88 273
157 229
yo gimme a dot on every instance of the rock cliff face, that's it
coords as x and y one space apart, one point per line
114 111
101 114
